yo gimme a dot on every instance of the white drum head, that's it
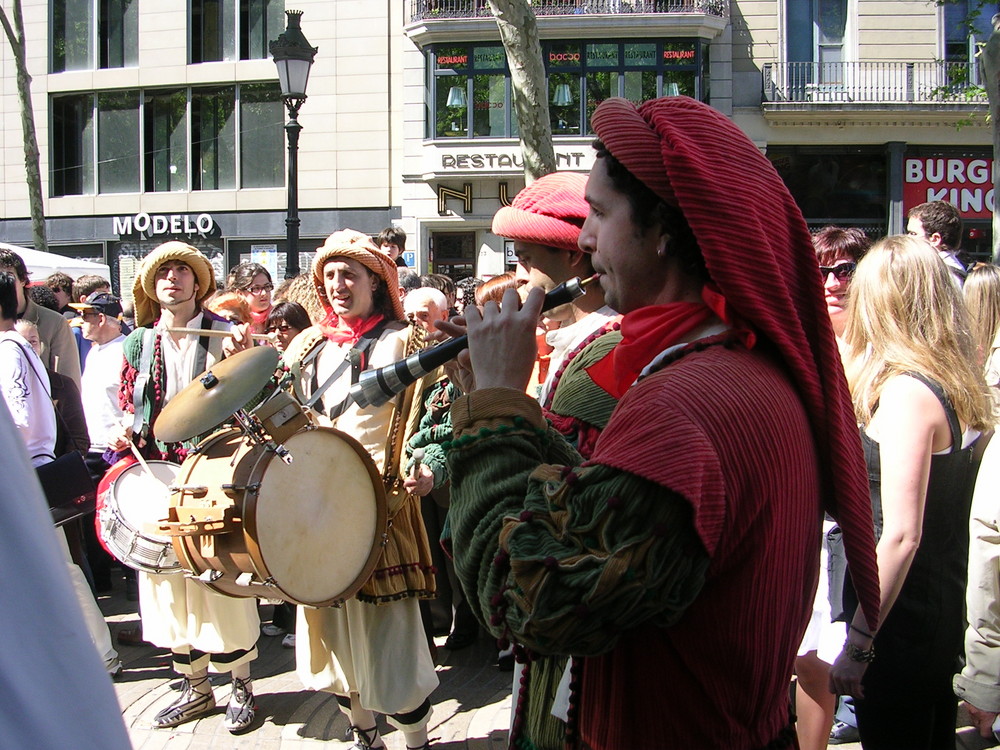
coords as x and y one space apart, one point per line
144 497
316 518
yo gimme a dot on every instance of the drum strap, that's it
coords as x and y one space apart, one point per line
201 354
357 357
142 380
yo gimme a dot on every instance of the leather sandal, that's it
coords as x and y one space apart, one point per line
242 707
189 705
364 738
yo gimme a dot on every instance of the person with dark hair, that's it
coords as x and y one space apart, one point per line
61 285
86 285
683 552
465 291
392 241
408 280
345 649
253 283
838 250
44 296
940 223
59 349
286 321
202 628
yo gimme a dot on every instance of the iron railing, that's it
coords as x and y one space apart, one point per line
421 10
872 83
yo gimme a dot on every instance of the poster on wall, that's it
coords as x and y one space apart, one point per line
267 256
965 182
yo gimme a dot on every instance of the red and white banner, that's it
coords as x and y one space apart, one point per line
965 182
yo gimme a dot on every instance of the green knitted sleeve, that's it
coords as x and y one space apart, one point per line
564 559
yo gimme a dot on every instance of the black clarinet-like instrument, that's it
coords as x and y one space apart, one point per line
377 387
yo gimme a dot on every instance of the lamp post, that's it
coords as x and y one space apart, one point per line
294 56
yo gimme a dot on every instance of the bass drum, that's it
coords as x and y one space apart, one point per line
131 502
249 524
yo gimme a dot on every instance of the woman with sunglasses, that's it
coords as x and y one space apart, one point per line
921 400
286 320
253 282
838 250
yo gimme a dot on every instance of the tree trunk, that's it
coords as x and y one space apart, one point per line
519 34
990 61
15 36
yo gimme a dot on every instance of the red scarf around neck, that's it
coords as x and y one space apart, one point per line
340 331
648 331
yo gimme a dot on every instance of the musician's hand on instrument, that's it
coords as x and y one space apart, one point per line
422 484
502 340
119 441
240 340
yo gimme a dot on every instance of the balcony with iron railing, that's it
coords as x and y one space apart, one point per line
431 20
867 86
426 9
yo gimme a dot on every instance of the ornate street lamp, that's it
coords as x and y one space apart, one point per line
294 57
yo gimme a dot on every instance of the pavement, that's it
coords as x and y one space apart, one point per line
471 705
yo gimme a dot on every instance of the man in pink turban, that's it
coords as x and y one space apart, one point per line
677 564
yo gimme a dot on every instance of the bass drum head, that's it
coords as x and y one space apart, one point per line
318 521
144 497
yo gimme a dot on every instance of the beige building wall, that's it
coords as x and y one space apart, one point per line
350 146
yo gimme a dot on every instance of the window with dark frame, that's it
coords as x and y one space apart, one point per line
471 91
94 140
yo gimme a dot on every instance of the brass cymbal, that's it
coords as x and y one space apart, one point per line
212 397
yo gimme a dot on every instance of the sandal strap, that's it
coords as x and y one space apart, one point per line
365 737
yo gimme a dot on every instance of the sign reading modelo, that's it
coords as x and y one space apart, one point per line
965 182
153 224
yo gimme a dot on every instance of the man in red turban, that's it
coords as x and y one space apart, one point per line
677 564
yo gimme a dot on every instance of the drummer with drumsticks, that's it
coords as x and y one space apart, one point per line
201 627
345 650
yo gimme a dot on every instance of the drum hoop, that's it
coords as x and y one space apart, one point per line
381 518
108 503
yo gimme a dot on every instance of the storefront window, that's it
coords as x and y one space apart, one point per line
579 77
166 141
835 186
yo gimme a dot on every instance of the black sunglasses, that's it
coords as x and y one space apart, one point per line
843 271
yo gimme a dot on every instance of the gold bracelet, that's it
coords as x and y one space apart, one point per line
856 654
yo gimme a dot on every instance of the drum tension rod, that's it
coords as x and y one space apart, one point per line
254 488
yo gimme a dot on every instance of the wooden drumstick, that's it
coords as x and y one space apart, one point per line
139 458
219 334
418 457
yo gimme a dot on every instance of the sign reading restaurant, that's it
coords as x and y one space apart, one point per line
502 159
153 224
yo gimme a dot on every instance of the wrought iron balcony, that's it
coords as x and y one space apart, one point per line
421 10
870 83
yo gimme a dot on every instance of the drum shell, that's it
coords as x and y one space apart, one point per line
238 503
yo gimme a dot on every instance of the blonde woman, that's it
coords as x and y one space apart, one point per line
921 400
982 297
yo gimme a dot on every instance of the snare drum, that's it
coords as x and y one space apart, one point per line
249 524
131 506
